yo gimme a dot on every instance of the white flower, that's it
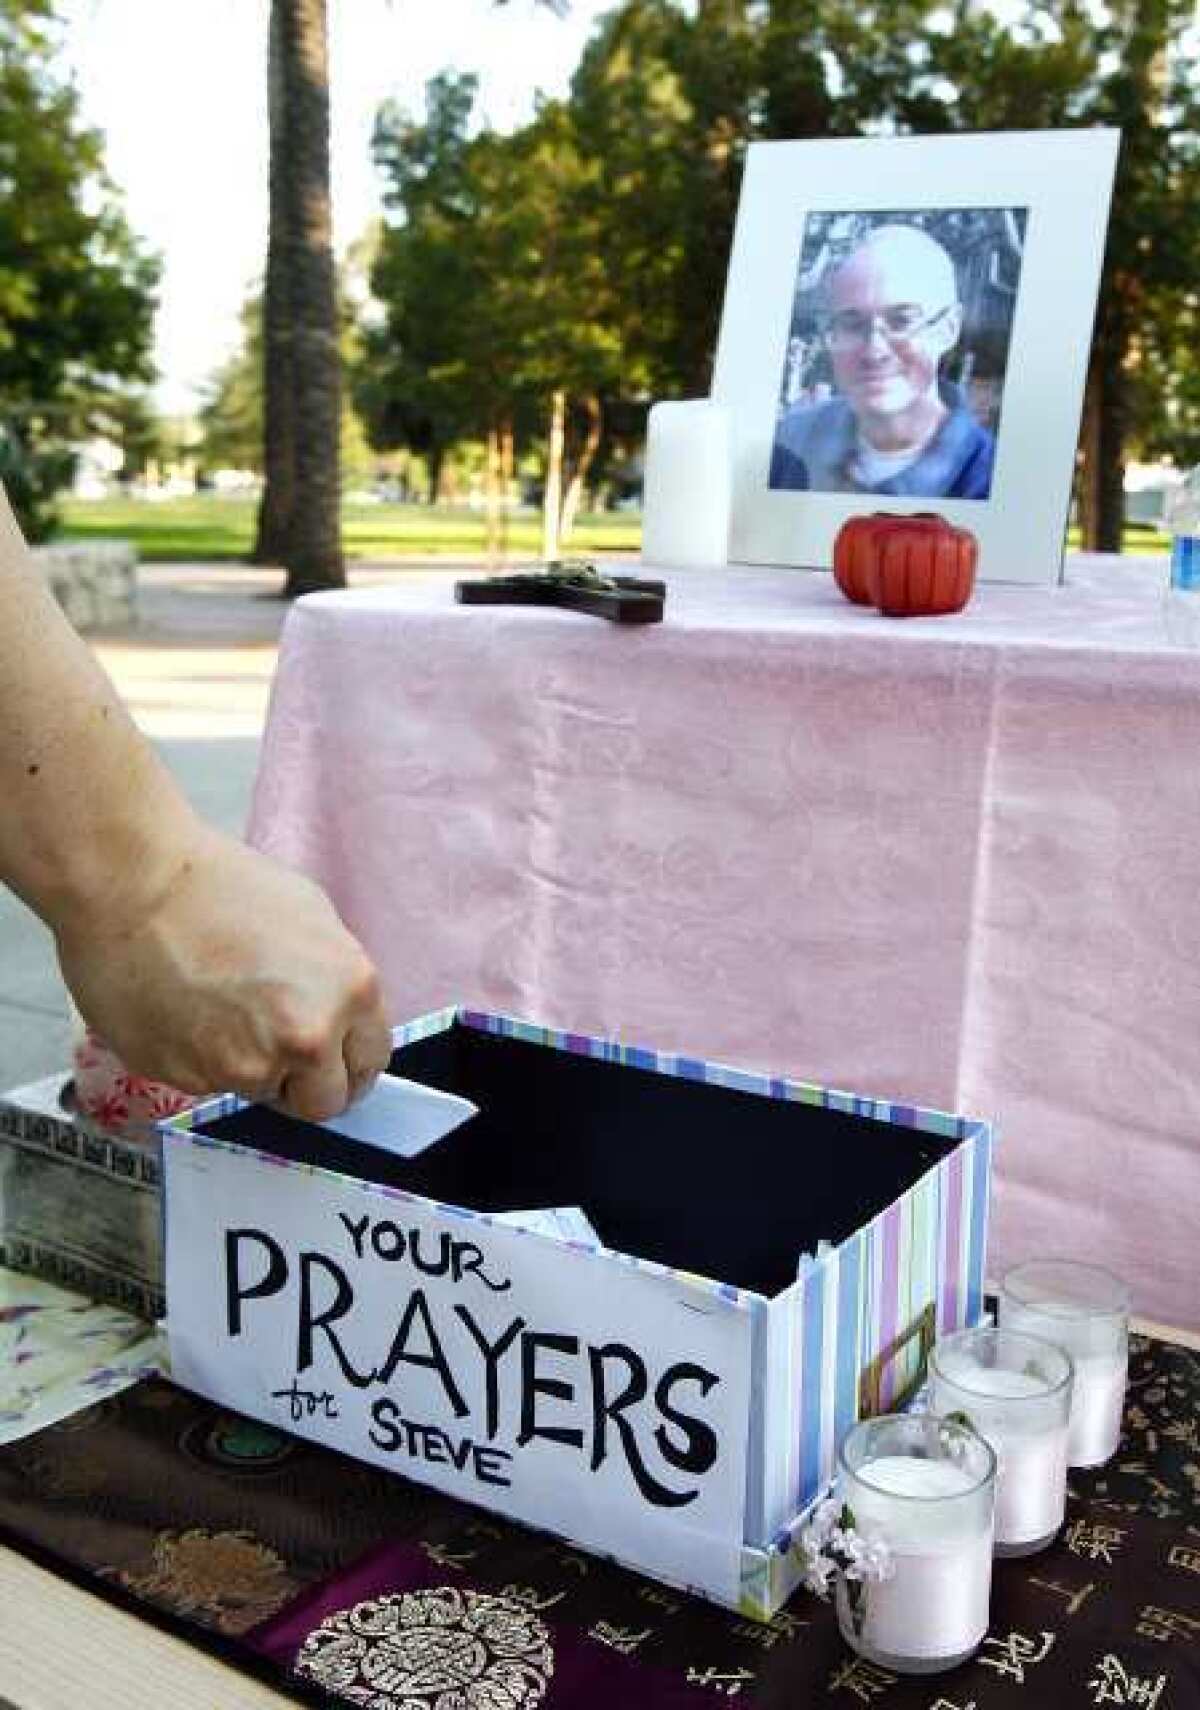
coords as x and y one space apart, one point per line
829 1548
852 1550
818 1570
825 1518
870 1559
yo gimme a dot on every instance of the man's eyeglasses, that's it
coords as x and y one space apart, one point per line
900 323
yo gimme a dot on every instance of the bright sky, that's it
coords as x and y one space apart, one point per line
179 89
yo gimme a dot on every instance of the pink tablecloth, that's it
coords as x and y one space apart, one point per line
951 860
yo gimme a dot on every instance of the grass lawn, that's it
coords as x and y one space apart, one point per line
208 527
175 530
1139 538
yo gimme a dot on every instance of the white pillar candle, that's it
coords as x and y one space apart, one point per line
935 1606
687 484
1097 1408
1086 1311
1031 1487
1098 1398
1031 1464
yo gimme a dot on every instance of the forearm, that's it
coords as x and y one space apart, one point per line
92 824
199 961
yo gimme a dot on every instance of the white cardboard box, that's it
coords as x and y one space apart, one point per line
777 1259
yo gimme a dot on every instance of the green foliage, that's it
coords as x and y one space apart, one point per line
131 421
432 373
32 477
76 288
231 418
663 104
496 285
1059 64
589 251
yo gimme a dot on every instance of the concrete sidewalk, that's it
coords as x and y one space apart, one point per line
196 675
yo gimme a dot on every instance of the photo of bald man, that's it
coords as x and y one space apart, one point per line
870 406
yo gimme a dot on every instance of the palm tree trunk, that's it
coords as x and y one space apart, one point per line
307 298
279 403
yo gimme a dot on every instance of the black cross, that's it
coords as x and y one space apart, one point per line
573 584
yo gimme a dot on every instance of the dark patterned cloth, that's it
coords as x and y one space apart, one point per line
348 1585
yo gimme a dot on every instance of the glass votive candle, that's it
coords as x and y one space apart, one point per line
1015 1391
925 1486
1085 1310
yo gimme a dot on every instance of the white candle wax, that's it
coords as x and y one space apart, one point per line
936 1603
687 485
1031 1464
1031 1484
1097 1406
1098 1394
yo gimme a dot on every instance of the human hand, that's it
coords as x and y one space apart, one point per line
236 976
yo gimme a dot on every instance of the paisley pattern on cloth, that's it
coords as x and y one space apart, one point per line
443 1649
230 1579
205 1520
232 1444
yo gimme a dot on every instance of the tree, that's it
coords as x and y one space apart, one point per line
300 514
426 369
76 288
232 416
1056 65
1142 376
545 280
498 303
652 85
131 421
584 258
653 111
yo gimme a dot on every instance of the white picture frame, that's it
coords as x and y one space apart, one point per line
1062 181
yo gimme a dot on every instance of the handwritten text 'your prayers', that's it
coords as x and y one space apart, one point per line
503 1381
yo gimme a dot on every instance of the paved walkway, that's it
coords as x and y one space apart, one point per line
196 675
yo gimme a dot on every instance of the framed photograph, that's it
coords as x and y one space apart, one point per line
906 328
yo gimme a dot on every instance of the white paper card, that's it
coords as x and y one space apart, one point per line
572 1391
563 1222
402 1116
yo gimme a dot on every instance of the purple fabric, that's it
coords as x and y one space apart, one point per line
946 861
579 1671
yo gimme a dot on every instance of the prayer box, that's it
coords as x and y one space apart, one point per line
777 1259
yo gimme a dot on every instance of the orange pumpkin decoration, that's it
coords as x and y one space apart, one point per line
853 554
909 566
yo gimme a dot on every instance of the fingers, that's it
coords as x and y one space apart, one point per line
317 1091
261 1092
320 1083
241 979
366 1051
